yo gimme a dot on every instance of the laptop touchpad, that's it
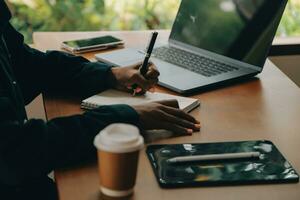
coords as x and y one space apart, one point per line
178 77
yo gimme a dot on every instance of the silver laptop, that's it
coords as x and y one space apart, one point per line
216 41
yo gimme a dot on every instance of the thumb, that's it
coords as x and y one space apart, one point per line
136 66
141 81
170 103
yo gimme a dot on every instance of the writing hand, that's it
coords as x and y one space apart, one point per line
124 77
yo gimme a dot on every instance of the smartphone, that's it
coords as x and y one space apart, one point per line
92 44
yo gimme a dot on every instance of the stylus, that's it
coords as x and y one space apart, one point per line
212 157
144 68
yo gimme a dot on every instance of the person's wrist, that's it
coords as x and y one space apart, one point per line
112 78
139 112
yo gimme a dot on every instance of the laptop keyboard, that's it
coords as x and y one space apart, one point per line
199 64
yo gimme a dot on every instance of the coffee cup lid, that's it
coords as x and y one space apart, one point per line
119 138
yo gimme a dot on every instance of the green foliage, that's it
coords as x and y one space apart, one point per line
290 23
51 15
92 15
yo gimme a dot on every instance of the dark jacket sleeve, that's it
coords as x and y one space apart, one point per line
32 149
57 71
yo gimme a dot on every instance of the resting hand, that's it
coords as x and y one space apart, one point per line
124 77
166 115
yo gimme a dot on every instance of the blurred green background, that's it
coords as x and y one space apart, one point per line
92 15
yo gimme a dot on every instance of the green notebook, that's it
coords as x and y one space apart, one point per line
270 167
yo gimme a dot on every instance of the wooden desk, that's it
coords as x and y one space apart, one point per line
264 108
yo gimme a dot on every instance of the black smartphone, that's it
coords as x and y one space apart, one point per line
91 44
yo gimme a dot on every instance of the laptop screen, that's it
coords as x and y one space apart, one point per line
239 29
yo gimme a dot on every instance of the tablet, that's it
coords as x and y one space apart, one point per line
271 167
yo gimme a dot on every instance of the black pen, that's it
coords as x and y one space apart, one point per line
144 68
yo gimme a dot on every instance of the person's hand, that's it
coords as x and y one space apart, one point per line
124 77
166 115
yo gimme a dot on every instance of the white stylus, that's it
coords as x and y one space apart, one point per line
212 157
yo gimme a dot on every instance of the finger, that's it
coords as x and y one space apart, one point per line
143 91
170 103
180 121
176 128
144 83
181 114
135 66
152 72
152 90
153 82
140 92
138 79
126 89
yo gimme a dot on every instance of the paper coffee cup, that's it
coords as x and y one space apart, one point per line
118 151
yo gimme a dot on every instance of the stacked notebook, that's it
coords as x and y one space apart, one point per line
111 97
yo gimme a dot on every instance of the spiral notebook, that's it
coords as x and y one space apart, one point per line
111 97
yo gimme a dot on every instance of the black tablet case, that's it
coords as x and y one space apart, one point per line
271 167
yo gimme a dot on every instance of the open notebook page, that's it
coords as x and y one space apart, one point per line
110 97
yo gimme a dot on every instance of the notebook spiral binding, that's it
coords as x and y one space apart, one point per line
88 106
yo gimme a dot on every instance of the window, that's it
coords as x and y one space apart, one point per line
91 15
290 23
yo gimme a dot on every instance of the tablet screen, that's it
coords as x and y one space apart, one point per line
271 167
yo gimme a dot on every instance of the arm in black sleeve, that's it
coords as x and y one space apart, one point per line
33 149
56 71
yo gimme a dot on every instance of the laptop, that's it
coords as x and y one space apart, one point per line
212 42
